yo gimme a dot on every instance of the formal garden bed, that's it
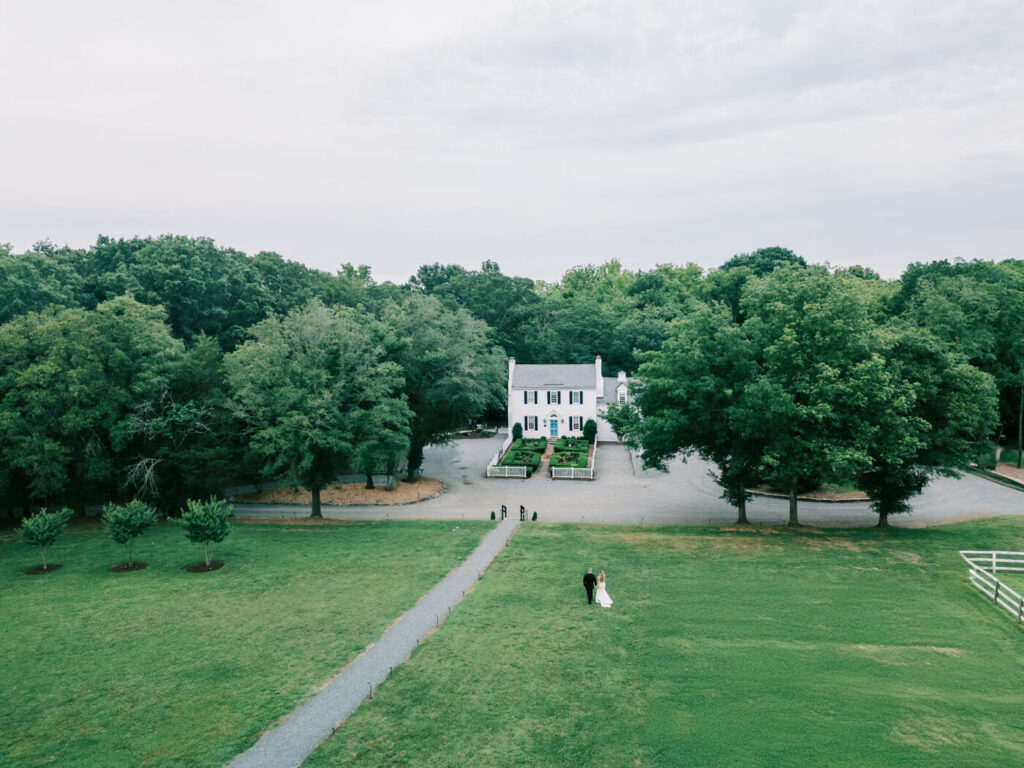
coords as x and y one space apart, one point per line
525 452
568 452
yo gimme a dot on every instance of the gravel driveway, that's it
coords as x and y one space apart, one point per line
625 493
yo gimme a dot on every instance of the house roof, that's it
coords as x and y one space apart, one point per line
553 376
611 384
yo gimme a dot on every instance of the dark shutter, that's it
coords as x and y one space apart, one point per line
526 395
559 393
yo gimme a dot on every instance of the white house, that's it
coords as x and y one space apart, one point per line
557 400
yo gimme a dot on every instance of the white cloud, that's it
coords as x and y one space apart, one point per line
539 134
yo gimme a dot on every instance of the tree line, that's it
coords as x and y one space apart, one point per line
168 368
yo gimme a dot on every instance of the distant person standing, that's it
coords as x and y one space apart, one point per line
589 582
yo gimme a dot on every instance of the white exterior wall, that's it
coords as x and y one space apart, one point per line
544 412
605 433
518 410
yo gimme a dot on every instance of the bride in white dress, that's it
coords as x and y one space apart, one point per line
602 597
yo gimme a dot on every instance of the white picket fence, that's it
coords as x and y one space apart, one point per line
575 473
494 468
982 567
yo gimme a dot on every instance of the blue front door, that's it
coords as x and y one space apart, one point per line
554 427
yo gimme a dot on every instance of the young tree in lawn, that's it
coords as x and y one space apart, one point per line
206 523
452 372
948 409
44 528
126 522
700 394
303 385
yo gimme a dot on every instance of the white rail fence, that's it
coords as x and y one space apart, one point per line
982 567
575 473
494 468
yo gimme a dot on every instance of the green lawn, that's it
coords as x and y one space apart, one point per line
732 648
167 668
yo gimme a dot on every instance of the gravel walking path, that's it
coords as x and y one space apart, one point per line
293 740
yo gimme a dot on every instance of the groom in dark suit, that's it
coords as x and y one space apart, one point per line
589 582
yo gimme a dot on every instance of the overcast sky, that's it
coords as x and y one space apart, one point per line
540 135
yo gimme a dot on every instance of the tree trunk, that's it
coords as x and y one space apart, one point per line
43 552
1020 426
206 553
793 519
415 461
741 507
883 520
369 481
315 512
131 546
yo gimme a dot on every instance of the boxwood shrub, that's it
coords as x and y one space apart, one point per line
529 459
569 459
574 444
538 444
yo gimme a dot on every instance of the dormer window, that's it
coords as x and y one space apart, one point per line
622 396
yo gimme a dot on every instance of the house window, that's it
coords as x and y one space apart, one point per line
529 422
575 423
575 397
555 397
530 397
622 396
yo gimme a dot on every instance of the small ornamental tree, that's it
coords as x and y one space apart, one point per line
590 430
517 431
44 528
128 521
206 522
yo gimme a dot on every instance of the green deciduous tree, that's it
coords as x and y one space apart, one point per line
307 384
69 383
947 409
126 522
452 371
44 528
206 522
701 394
824 380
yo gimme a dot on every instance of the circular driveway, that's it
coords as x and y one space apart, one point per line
626 493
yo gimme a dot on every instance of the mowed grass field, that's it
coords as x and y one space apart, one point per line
166 668
733 648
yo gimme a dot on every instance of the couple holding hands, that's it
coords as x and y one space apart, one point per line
590 581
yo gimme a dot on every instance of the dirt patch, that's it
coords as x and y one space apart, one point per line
819 495
658 542
764 530
906 557
215 565
36 570
293 521
820 545
876 649
1010 470
746 544
124 567
932 734
350 493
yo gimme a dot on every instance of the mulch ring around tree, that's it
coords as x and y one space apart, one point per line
35 570
215 565
124 567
